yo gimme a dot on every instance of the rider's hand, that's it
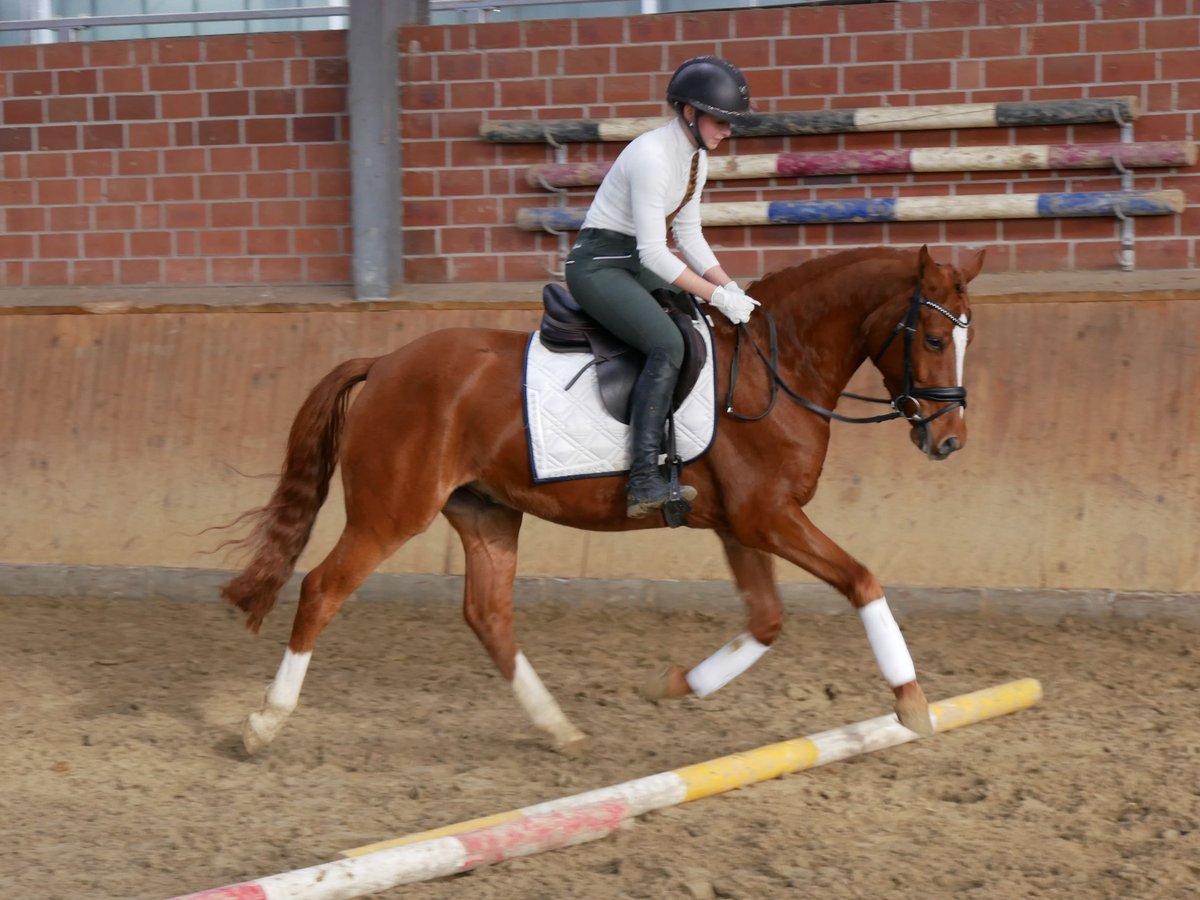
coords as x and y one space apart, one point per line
734 303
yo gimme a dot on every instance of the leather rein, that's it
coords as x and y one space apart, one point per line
955 397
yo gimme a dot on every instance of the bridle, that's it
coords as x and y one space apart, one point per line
910 395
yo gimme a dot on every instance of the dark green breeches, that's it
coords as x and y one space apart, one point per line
607 279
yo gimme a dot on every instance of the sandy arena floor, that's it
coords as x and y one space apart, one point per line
123 775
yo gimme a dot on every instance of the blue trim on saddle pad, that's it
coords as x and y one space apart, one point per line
576 361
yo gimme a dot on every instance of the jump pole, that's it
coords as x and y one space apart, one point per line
595 814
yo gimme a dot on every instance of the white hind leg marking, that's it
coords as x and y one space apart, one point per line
281 698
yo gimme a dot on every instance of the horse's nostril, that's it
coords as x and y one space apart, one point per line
948 446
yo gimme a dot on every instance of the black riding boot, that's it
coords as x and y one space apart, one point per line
651 401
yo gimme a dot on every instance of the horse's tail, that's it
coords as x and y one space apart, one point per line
283 526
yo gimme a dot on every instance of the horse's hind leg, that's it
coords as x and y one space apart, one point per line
322 593
489 535
754 574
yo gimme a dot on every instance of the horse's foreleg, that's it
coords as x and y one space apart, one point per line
754 574
802 543
489 535
322 593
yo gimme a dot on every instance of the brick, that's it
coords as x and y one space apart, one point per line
225 131
222 242
169 78
932 76
235 215
279 212
139 271
58 192
317 241
274 45
103 137
955 14
104 245
987 42
115 217
939 45
173 187
274 159
62 56
1054 39
328 269
332 184
31 84
179 50
266 74
266 131
81 82
122 81
1168 33
225 47
327 211
17 246
870 48
43 273
127 190
1110 37
184 134
23 112
1012 12
272 242
574 91
57 137
234 271
215 76
546 33
181 106
185 271
274 102
1123 68
868 79
281 271
471 94
230 159
93 272
222 187
150 244
268 185
66 109
137 162
314 128
149 134
800 51
228 103
1128 9
330 71
1011 72
68 218
25 219
1069 70
94 163
323 100
1180 64
604 31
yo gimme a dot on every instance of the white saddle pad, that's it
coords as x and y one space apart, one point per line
571 434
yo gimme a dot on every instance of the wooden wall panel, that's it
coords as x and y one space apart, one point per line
127 435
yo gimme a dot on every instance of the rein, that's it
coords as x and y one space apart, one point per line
954 396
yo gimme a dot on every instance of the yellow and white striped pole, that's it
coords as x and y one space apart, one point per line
594 814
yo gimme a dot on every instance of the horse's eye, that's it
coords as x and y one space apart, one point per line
935 343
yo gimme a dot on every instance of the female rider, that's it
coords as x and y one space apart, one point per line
621 255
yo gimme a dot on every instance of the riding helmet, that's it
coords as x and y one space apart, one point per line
712 85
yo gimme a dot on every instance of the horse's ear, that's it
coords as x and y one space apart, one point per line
924 261
971 269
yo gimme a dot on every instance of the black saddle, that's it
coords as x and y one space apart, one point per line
566 328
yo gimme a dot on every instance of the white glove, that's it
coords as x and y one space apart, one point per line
734 303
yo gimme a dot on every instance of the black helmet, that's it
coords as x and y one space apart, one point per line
712 85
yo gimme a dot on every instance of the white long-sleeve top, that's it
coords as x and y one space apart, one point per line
642 188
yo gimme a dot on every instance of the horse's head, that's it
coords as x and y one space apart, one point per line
921 355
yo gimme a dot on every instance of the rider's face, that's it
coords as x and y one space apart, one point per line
713 130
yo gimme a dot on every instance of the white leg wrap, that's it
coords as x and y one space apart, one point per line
888 643
285 689
540 706
725 665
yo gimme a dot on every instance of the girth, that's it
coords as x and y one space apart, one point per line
566 328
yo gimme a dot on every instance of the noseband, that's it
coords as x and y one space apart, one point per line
910 395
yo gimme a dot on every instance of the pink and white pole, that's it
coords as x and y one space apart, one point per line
594 814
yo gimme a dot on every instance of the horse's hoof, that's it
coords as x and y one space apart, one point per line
575 747
912 709
667 684
254 737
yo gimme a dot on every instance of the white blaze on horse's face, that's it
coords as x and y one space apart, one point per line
960 357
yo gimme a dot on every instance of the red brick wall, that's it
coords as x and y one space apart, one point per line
224 160
462 194
219 160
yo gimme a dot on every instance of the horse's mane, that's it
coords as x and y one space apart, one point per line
816 273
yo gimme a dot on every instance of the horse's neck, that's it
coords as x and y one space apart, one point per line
822 339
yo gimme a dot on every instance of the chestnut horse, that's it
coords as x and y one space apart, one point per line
438 428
